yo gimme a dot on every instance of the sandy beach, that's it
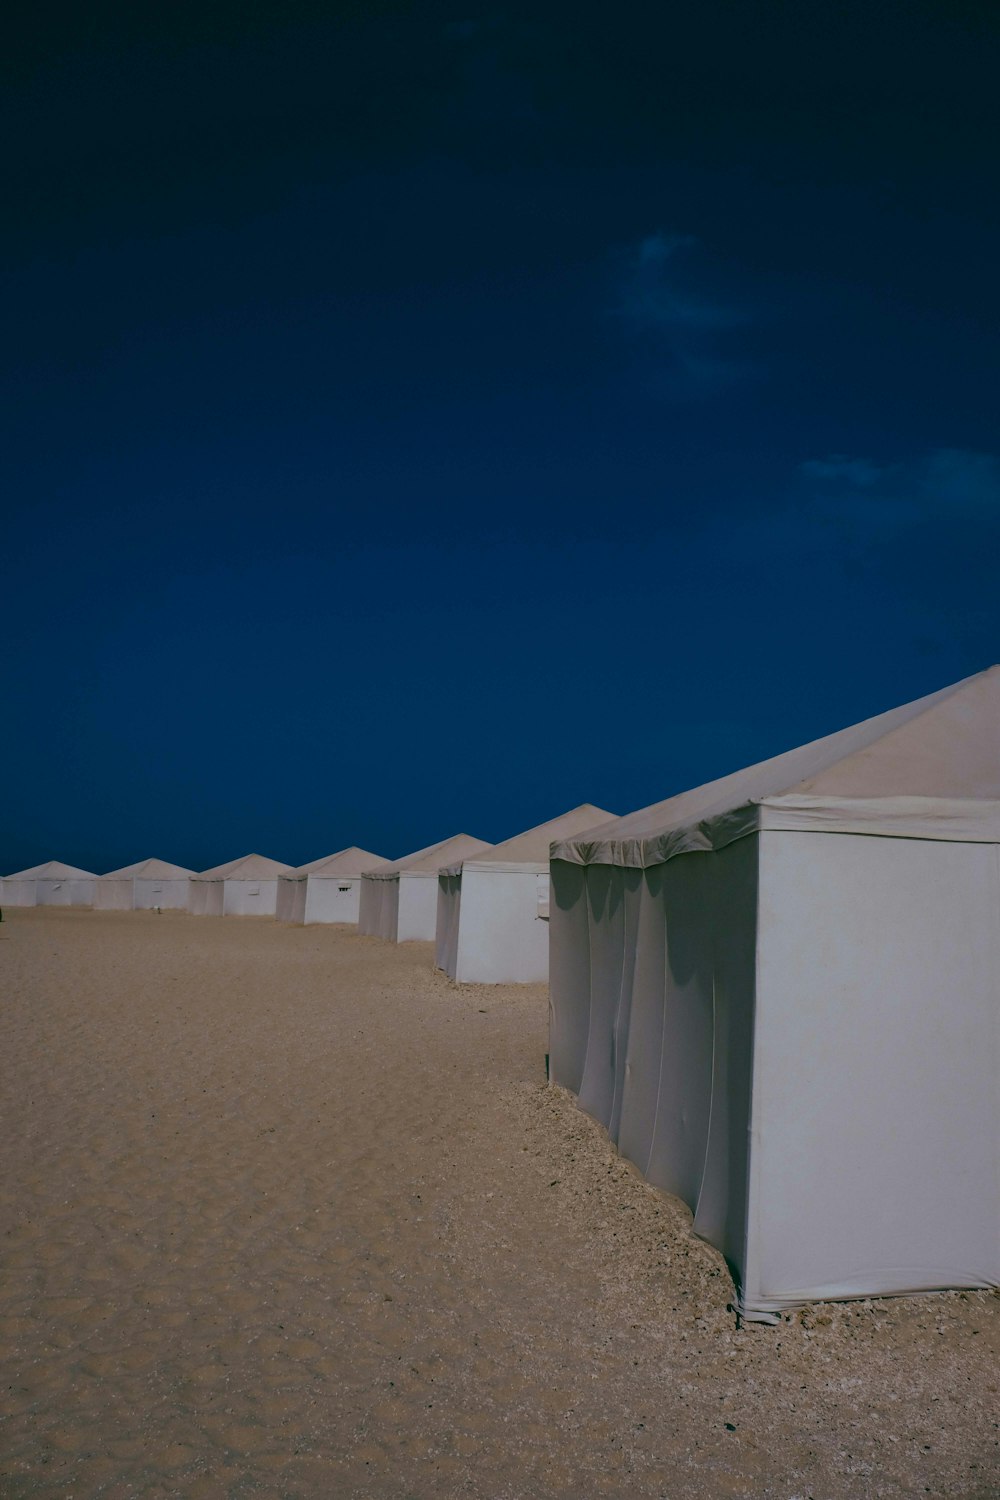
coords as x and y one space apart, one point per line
286 1213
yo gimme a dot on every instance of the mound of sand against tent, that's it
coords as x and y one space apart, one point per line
287 1213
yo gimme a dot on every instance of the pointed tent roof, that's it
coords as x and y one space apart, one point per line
52 870
248 867
930 769
348 862
428 861
527 850
149 869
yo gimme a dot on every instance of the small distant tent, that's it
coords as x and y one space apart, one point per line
51 884
779 995
493 909
328 889
142 886
246 887
399 901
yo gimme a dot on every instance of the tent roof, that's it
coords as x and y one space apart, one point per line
248 867
149 869
532 846
352 861
51 870
428 861
930 769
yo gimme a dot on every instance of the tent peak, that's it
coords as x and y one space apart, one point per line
430 859
351 861
247 867
53 869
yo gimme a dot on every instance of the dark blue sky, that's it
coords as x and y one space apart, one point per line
419 419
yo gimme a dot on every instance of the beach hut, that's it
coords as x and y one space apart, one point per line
327 890
142 886
399 901
780 994
493 909
51 884
246 887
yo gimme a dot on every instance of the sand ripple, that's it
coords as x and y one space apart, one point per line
285 1213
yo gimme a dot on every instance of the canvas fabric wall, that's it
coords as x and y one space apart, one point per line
111 894
333 898
416 913
291 903
655 1039
310 899
249 898
875 1146
72 890
378 907
162 893
15 892
401 908
449 898
205 897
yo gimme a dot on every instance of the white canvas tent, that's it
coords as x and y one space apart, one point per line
246 887
328 889
493 909
140 887
399 901
780 994
51 884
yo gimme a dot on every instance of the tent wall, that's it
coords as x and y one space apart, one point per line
250 898
612 897
876 1114
501 938
569 974
65 891
333 899
652 991
206 898
291 902
17 892
169 894
416 919
449 905
114 895
400 909
368 905
379 907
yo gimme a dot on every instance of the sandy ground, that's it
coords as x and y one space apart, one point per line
286 1213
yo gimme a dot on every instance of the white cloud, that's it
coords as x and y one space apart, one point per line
859 471
944 483
653 290
961 482
661 294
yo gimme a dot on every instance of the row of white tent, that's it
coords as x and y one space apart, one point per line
485 906
327 890
779 993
